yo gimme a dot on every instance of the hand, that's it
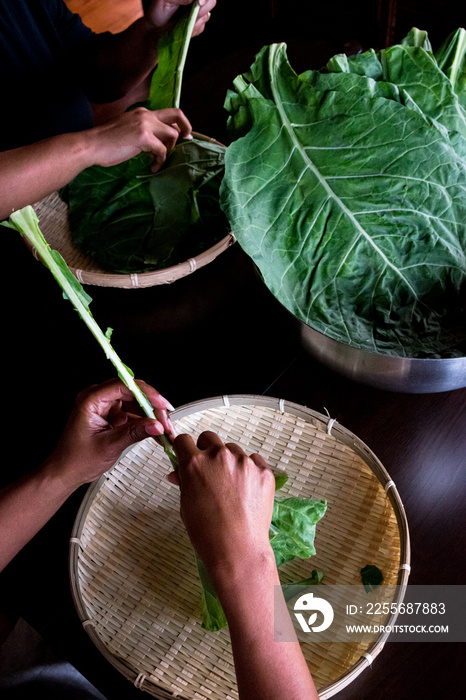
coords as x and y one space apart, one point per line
226 500
104 422
155 132
162 13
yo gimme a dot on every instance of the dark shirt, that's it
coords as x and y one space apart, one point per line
42 90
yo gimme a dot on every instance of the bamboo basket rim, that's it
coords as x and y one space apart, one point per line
334 429
52 213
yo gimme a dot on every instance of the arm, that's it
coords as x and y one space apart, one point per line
102 425
226 505
29 173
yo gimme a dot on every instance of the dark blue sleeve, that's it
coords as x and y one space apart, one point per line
40 41
69 26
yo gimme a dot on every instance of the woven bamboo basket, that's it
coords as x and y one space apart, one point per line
132 568
53 221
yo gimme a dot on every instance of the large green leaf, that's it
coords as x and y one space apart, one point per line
351 199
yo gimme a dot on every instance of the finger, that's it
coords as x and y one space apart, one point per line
200 25
132 432
158 152
173 116
205 6
201 20
156 399
117 415
164 419
173 478
109 396
259 461
160 404
154 428
131 410
168 134
185 448
235 449
209 439
101 398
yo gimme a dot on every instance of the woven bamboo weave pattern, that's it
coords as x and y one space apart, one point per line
134 572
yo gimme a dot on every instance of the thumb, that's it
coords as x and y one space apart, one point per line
135 431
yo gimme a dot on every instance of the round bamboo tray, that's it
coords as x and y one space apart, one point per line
132 568
53 222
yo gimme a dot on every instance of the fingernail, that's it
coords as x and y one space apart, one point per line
154 429
170 407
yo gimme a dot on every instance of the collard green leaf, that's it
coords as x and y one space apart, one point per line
366 64
294 525
111 212
417 37
280 480
351 199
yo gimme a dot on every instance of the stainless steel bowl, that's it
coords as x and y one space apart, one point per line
388 372
403 374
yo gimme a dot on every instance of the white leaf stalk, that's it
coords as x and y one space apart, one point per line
182 61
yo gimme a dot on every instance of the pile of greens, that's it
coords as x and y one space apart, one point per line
128 219
347 187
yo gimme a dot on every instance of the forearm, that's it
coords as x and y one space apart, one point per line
26 506
266 669
29 173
